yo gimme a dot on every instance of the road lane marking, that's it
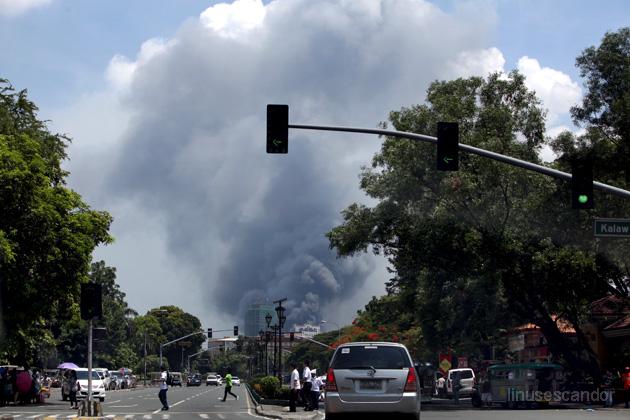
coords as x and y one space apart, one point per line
148 416
221 416
204 416
112 402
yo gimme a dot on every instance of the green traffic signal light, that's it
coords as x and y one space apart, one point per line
582 184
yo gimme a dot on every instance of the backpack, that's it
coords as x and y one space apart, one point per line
169 378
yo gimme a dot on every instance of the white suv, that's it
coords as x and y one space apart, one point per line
466 381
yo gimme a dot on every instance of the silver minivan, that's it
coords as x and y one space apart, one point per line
372 377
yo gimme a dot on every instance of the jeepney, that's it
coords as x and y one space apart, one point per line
524 384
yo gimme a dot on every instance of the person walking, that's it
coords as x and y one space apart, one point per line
228 385
306 386
73 386
295 387
315 390
164 382
440 386
456 386
486 391
607 385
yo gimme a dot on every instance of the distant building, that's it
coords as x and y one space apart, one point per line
307 330
528 344
255 318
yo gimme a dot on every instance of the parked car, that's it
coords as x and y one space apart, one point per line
372 377
194 380
114 381
466 380
236 381
105 376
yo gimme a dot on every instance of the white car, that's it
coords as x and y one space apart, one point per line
98 385
104 374
466 381
236 381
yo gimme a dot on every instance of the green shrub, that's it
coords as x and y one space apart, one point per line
270 386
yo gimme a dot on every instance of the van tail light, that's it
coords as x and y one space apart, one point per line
411 385
331 384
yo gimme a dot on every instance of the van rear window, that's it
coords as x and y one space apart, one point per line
366 357
465 374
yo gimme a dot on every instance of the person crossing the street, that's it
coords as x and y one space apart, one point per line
163 388
228 385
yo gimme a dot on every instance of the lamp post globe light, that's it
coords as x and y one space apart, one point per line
268 319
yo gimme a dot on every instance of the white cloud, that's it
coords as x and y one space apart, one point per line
478 62
231 221
17 7
234 20
120 71
556 89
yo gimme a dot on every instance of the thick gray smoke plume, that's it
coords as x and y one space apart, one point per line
244 224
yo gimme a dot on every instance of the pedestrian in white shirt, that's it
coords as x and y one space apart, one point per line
315 390
295 387
306 386
163 388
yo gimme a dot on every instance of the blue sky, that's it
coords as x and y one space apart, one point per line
60 50
165 103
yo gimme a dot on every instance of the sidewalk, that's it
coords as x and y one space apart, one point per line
278 412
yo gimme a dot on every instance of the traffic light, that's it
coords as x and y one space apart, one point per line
582 184
209 332
277 128
291 336
236 330
447 146
91 301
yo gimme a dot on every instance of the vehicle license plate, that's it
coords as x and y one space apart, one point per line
371 385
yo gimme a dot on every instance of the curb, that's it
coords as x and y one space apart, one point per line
260 410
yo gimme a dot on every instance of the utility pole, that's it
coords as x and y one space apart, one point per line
89 396
145 357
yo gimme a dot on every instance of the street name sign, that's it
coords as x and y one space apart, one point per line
618 228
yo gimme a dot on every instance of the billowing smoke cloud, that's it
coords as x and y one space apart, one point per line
243 224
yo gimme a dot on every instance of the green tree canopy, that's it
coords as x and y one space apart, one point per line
47 232
480 250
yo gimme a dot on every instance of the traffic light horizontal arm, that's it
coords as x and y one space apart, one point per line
181 338
470 149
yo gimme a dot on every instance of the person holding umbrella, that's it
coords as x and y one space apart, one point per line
74 388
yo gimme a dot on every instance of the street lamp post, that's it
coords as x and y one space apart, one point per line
268 319
274 328
145 357
281 318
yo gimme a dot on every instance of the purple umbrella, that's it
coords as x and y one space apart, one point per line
67 365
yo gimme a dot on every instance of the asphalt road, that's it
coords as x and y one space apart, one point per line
142 403
204 403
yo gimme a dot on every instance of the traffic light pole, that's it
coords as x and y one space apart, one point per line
470 149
